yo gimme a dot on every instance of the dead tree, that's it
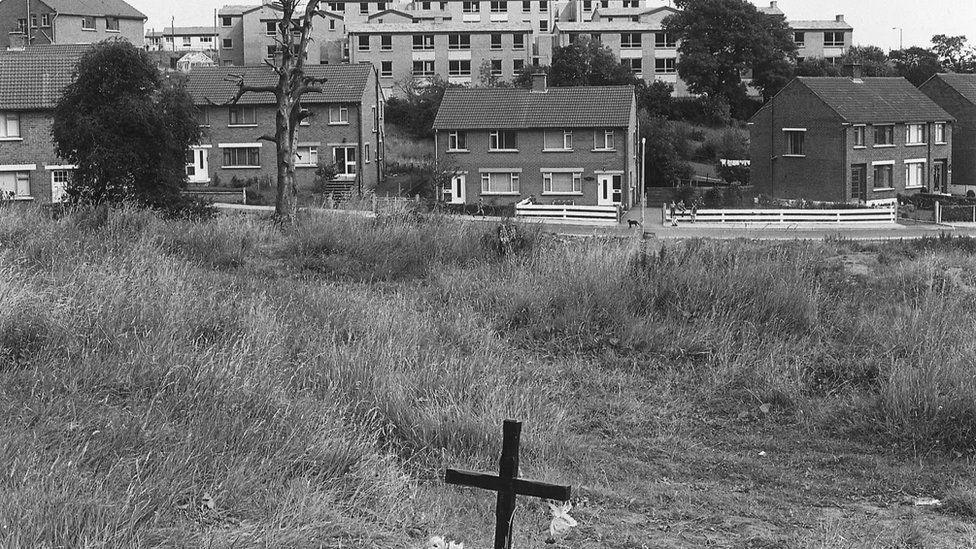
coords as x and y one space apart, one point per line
293 37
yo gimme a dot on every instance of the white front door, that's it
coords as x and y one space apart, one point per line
455 194
59 185
197 166
611 190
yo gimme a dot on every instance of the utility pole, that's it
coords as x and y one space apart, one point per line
643 180
27 27
901 37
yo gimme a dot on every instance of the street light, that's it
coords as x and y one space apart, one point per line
901 37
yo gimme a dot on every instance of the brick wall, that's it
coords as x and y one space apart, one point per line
11 11
898 154
964 131
34 148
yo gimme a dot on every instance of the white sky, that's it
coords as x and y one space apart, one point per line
873 20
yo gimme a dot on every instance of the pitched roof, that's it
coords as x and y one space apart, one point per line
237 9
516 108
964 84
830 24
607 26
34 78
95 8
183 31
346 83
771 9
875 100
432 27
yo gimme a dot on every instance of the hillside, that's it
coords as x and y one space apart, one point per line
238 384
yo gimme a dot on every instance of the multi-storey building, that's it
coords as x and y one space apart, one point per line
346 127
558 145
850 140
457 52
818 39
37 22
956 93
31 82
183 39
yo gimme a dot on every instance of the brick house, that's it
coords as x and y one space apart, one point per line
850 140
31 82
956 93
347 127
573 145
38 22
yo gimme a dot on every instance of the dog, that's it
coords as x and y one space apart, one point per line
632 224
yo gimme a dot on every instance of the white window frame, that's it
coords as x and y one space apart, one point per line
460 71
862 131
547 178
237 147
312 161
802 42
386 73
609 140
497 68
426 42
664 40
890 127
5 125
567 141
911 165
226 21
459 41
427 69
21 180
338 116
457 141
915 134
227 43
494 140
108 26
245 123
471 7
514 183
347 168
788 134
629 43
360 46
94 23
941 131
832 42
874 180
669 65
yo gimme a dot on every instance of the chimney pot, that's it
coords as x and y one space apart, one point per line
539 82
854 70
840 18
773 4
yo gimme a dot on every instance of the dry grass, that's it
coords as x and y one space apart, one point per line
237 384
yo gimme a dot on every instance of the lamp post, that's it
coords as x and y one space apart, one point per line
901 37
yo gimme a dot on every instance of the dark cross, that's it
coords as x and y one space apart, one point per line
507 484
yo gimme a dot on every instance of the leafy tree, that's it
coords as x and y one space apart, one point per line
524 78
417 107
587 63
655 99
487 77
662 166
916 64
125 128
721 40
954 53
816 66
872 59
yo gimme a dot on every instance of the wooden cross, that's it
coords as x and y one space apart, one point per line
507 484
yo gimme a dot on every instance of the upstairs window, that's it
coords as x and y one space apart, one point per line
800 39
202 116
940 133
499 7
112 24
46 20
226 21
630 40
338 115
423 69
9 125
859 136
471 7
526 7
459 67
227 43
833 39
386 42
561 140
363 42
665 40
496 67
457 141
22 26
665 66
518 42
271 28
884 136
386 69
337 7
87 23
496 41
242 116
503 140
915 134
603 140
794 142
459 42
364 8
423 42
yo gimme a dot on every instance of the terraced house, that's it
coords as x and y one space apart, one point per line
573 145
346 128
851 140
31 82
38 22
956 93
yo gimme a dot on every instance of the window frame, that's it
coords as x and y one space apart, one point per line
313 153
94 23
5 134
235 151
576 183
348 168
609 138
664 40
383 72
889 130
460 72
496 139
795 148
457 141
360 45
627 40
832 41
910 166
493 44
459 41
670 65
941 131
566 141
424 72
243 120
919 131
514 183
338 115
887 165
860 136
426 42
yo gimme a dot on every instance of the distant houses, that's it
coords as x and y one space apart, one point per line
574 145
38 22
956 93
851 140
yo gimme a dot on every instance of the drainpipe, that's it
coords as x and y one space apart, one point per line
359 157
27 29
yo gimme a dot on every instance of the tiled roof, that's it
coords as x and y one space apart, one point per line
820 25
516 108
771 9
346 83
620 12
875 100
607 26
184 31
237 9
964 84
95 8
431 27
34 78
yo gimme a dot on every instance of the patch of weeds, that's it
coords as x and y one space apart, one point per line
960 502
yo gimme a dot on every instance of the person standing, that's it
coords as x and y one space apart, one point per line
674 214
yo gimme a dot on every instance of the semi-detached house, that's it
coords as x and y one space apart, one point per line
956 93
37 22
572 145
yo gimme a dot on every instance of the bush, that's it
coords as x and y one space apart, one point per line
686 194
735 174
714 198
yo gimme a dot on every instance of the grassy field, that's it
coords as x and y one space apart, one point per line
238 384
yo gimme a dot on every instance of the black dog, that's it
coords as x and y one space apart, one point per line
633 223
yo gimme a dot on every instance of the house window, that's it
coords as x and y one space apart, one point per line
386 69
242 157
228 43
226 22
635 65
22 26
500 183
34 21
499 7
518 42
587 5
46 20
558 140
366 153
87 23
459 68
363 8
187 41
423 42
307 156
883 176
794 142
603 140
496 67
9 125
242 116
272 52
940 133
471 7
332 25
884 136
859 136
423 69
544 25
386 42
338 115
518 65
503 141
459 42
112 24
206 39
665 66
15 184
338 7
543 6
665 40
496 41
271 28
60 179
915 134
202 115
345 160
526 7
457 141
800 39
631 3
834 39
630 40
425 6
363 42
562 183
914 174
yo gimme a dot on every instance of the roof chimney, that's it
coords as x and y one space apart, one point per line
854 70
18 42
540 82
772 5
840 18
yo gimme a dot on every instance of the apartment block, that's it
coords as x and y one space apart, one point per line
346 127
454 51
38 22
829 39
851 140
183 39
572 145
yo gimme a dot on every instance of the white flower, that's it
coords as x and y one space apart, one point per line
561 522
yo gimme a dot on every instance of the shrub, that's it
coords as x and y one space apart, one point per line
686 193
714 198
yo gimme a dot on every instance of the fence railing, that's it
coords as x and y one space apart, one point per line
218 195
888 214
602 215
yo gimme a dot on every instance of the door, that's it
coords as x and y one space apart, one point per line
611 190
455 192
197 166
59 185
859 182
940 181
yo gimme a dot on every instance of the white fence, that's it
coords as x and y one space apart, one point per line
556 213
887 214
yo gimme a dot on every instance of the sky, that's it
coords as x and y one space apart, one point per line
875 22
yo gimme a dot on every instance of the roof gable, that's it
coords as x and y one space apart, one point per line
346 83
875 100
95 8
963 84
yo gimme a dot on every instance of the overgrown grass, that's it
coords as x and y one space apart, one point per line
236 383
